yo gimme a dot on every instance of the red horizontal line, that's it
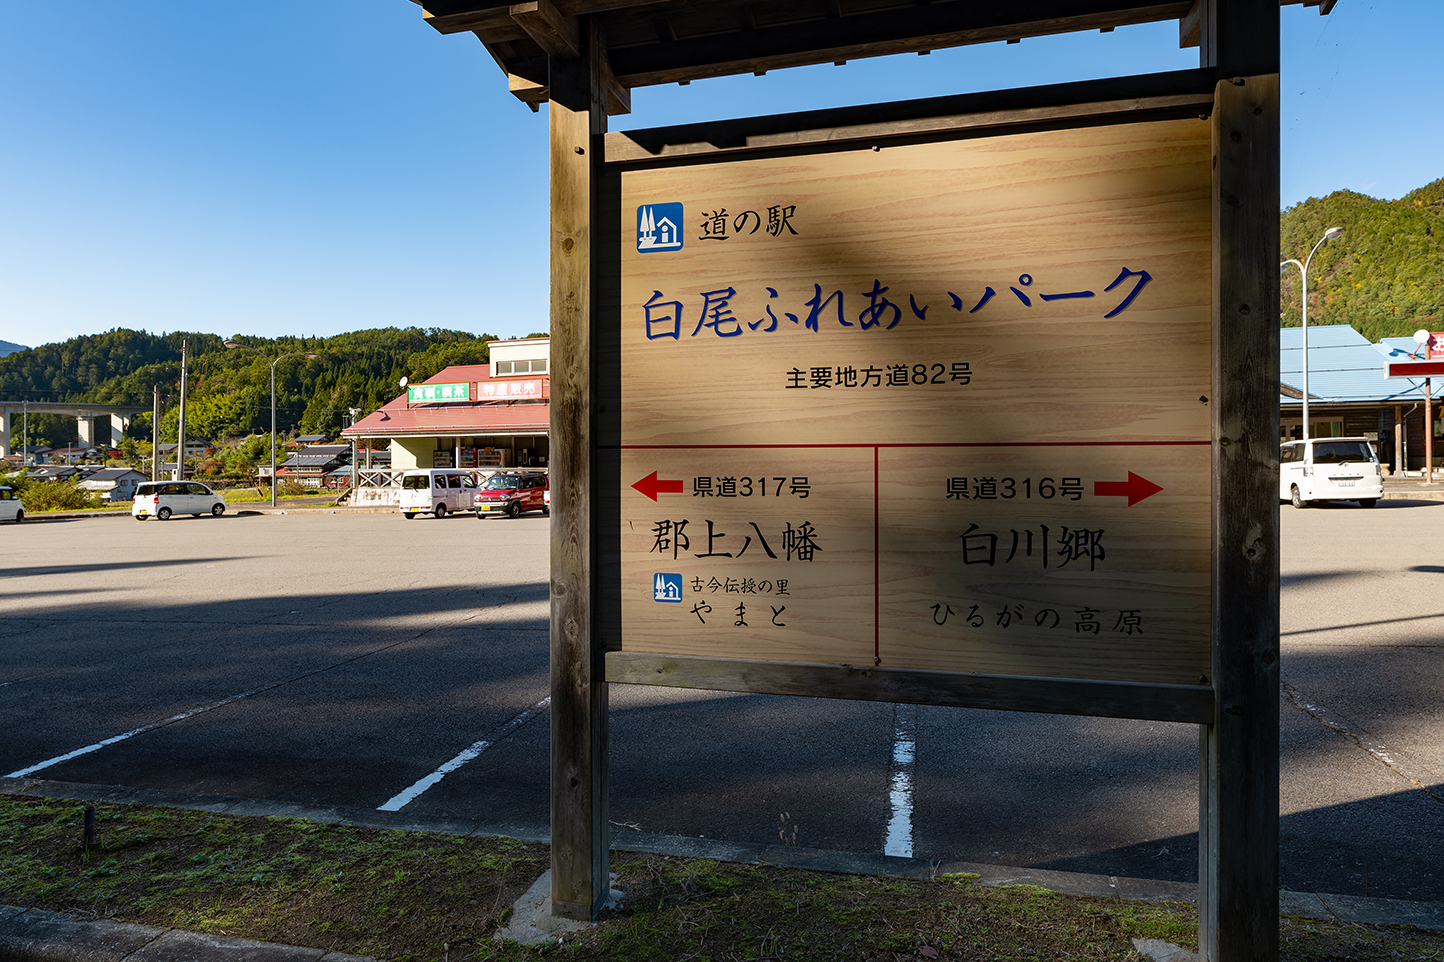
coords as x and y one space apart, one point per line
900 444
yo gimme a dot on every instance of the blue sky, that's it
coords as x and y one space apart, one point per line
276 168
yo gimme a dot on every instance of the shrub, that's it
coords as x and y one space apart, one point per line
58 496
290 488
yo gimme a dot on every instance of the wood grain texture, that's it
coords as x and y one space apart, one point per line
579 703
896 579
624 147
882 33
939 224
553 32
1175 703
1240 863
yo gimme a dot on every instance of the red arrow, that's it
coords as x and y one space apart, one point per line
652 486
1135 489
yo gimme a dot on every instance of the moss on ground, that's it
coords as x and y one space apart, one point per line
414 896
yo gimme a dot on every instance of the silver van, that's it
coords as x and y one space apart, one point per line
1329 469
161 499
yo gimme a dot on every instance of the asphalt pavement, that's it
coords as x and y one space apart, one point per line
341 662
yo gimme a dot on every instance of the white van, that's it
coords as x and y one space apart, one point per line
436 490
1329 469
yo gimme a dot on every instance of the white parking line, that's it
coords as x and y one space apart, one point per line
900 782
38 766
398 802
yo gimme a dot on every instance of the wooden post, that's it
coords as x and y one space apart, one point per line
1399 440
1239 752
580 877
1428 432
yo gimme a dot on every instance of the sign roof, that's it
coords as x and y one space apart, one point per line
677 41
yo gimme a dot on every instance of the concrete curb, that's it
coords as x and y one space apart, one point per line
34 935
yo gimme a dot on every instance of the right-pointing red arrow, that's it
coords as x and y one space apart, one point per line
1135 489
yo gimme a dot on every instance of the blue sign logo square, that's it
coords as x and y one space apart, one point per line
667 588
659 228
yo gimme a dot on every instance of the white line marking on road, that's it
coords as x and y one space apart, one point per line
38 766
410 795
900 782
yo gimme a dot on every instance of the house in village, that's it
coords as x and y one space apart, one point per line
312 464
115 484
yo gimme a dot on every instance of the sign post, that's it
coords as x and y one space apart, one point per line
965 401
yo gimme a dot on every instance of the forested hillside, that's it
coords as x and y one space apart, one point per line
229 390
1385 275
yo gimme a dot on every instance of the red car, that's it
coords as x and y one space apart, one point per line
511 494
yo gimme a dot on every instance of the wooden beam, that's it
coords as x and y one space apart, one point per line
1066 696
1188 26
483 16
1239 791
1182 92
908 30
618 96
579 830
527 91
554 33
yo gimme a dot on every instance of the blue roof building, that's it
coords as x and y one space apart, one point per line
1350 393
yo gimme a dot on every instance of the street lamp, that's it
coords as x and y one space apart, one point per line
1329 234
233 345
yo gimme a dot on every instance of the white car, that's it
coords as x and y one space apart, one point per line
436 491
1329 469
161 499
10 507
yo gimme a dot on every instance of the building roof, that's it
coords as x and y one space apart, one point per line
310 439
1344 367
114 474
309 460
524 415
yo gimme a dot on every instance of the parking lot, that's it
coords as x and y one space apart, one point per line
365 661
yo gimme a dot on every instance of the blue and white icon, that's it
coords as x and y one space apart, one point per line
668 588
659 228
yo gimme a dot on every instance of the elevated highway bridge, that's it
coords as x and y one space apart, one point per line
98 424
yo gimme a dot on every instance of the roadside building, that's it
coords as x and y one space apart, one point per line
306 441
74 454
1350 394
311 465
116 484
483 416
53 472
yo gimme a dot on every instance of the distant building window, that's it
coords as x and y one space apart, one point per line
534 366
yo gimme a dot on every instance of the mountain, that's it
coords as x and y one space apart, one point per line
8 348
228 390
1384 276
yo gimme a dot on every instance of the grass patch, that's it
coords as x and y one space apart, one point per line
414 896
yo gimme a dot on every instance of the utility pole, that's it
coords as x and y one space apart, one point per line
155 433
180 448
355 415
25 432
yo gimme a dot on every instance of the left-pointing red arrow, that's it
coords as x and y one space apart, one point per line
1135 489
652 486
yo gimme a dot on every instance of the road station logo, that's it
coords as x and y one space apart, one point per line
667 588
659 228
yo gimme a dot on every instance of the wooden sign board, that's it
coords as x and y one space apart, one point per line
936 405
